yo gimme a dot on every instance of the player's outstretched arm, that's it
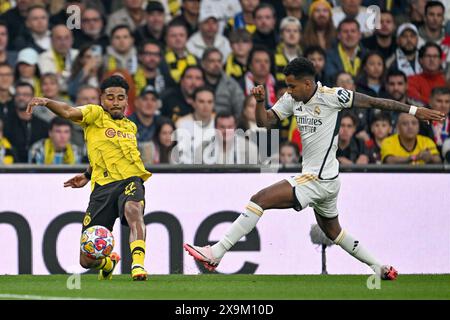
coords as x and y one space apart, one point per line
264 118
425 114
62 109
80 180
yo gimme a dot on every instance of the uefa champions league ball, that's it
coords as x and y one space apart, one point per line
97 242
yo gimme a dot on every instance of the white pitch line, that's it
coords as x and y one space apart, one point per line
34 297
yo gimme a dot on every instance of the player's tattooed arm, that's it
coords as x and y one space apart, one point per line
264 118
365 101
62 109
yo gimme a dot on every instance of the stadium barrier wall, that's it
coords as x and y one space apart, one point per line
402 218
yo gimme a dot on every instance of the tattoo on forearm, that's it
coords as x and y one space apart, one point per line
364 101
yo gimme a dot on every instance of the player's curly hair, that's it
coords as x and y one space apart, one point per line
114 81
300 67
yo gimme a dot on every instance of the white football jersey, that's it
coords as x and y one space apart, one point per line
318 121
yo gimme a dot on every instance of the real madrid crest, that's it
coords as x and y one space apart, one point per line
317 111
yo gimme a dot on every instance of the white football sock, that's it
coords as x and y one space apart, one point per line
240 227
352 246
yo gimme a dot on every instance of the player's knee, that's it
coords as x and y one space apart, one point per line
258 198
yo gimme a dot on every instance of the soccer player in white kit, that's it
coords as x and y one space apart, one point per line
317 111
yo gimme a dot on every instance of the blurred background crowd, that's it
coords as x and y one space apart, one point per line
191 65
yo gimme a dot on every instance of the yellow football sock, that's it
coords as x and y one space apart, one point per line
106 265
137 248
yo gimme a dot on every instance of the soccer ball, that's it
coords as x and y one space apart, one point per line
97 242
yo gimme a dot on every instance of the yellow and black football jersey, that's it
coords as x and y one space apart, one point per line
111 146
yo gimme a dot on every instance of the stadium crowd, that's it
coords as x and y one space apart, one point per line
191 65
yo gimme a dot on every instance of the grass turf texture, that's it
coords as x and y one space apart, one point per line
231 287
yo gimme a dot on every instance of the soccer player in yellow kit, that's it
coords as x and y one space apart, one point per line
116 171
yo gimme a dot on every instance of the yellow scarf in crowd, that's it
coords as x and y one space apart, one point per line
177 65
49 150
139 79
349 67
60 61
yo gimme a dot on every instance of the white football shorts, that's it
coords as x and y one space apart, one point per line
321 195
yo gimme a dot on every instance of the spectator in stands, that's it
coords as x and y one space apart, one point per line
420 85
244 19
352 9
225 8
36 34
60 57
189 16
56 149
345 80
92 30
433 28
408 146
27 69
152 69
164 142
241 46
14 19
21 128
265 22
259 67
318 57
51 90
6 150
289 153
417 11
294 8
229 146
146 116
228 94
178 100
289 47
177 56
370 80
406 56
87 94
351 150
6 90
87 69
380 128
154 29
320 29
196 127
436 130
121 54
207 36
383 39
348 53
132 15
397 87
247 119
6 56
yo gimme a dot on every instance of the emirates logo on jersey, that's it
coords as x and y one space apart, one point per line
110 133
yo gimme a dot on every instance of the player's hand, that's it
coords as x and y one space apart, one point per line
36 102
428 115
79 181
259 93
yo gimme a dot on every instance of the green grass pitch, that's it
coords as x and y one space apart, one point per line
226 287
